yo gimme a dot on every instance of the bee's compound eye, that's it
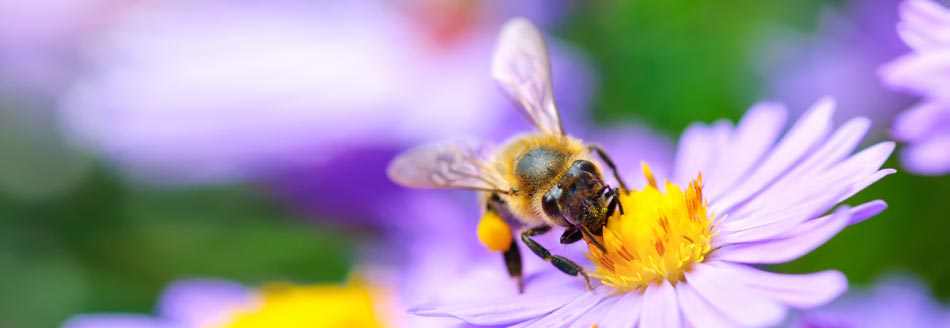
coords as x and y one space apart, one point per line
549 202
587 166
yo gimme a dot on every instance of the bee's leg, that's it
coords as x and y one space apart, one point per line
614 204
513 263
610 163
571 235
561 263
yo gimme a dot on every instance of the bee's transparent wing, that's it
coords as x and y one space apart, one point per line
521 66
455 164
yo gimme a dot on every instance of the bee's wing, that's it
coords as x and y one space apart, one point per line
521 66
455 164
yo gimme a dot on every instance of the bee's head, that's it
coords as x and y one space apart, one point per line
580 197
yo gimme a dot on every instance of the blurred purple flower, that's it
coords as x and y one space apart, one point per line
187 91
183 304
839 61
200 303
925 27
768 200
40 40
892 302
310 98
39 45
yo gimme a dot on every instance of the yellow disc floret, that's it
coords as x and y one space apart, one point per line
494 232
285 305
659 237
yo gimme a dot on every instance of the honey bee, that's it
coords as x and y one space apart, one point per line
534 181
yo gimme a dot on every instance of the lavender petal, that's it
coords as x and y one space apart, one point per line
754 135
915 72
697 312
471 302
794 290
809 131
838 146
573 310
625 311
921 121
794 244
203 302
694 152
117 321
597 314
732 298
923 25
660 307
931 157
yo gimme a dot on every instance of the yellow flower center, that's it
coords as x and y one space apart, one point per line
659 236
285 305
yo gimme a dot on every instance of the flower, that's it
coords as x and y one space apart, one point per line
892 302
294 95
220 303
685 251
925 27
213 91
39 48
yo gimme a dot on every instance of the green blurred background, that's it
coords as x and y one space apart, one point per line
111 245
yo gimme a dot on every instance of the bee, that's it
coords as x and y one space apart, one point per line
534 181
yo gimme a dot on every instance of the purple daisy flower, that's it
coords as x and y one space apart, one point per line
684 252
925 27
198 303
218 91
186 303
892 302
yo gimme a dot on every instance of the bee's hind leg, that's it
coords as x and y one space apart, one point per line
610 163
513 263
561 263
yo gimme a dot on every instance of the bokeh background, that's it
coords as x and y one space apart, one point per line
147 141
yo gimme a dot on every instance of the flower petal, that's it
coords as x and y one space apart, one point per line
924 24
754 135
693 153
841 144
545 292
838 146
573 310
806 199
762 226
921 121
801 138
595 315
867 210
116 321
794 244
931 157
732 298
203 302
839 178
794 290
697 312
660 307
625 312
915 72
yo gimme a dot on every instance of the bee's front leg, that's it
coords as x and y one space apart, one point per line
561 263
571 235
